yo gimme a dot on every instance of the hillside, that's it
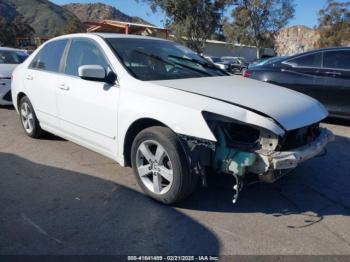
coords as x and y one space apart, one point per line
45 17
49 19
296 39
100 11
7 10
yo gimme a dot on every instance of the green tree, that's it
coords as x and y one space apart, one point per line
72 27
192 21
7 34
334 24
16 28
21 27
256 22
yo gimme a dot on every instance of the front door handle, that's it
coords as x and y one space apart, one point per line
64 87
29 77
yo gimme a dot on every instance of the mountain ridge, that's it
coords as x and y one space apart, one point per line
94 12
45 17
49 19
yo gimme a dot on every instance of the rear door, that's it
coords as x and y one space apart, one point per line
87 109
41 79
336 70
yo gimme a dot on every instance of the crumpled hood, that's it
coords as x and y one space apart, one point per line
289 108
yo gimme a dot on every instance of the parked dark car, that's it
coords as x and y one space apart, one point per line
237 64
233 65
323 74
223 65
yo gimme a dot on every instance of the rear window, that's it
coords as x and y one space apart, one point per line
337 59
49 57
12 57
311 60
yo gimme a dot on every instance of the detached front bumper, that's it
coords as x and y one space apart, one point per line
291 159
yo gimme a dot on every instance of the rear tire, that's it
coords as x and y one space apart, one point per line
29 120
160 165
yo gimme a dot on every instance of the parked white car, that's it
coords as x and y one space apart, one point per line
159 107
9 59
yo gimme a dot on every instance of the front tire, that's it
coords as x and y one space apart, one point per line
160 165
29 120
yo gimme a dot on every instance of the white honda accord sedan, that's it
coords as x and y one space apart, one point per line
159 107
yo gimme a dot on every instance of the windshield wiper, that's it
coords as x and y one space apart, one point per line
172 63
154 56
202 63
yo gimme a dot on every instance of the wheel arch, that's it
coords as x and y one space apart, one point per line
20 95
135 128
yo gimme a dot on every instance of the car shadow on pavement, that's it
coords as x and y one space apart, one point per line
51 137
7 107
318 188
49 210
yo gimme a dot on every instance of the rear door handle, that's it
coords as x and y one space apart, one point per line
29 77
64 87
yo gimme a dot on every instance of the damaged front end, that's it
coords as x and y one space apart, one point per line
247 151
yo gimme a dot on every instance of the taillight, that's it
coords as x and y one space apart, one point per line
247 73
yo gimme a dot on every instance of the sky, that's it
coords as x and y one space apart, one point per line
305 13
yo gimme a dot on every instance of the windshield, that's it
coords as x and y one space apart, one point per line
270 61
12 57
273 60
148 59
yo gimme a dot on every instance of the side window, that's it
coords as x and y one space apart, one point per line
312 60
337 59
83 52
49 57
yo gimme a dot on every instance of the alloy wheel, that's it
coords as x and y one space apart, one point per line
154 167
27 118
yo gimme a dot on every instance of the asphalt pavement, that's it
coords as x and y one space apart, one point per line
59 198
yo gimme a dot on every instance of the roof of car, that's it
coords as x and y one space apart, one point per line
107 35
319 50
333 48
3 48
114 35
288 58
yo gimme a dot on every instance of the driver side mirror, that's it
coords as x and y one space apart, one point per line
97 73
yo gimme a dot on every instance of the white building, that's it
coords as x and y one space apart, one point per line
219 48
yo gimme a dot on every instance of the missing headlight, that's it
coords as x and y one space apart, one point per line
238 135
299 137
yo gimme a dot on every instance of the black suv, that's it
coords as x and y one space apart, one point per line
323 74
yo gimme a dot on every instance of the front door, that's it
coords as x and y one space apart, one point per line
306 76
336 69
87 109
